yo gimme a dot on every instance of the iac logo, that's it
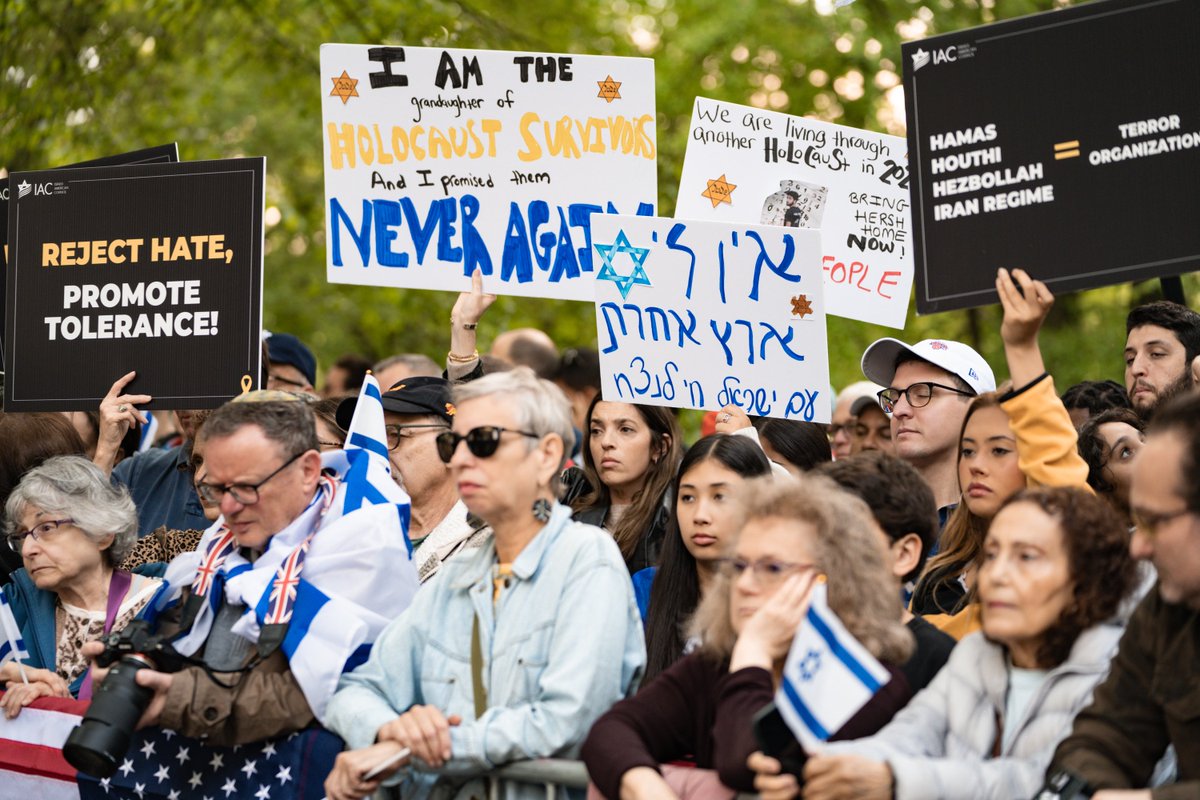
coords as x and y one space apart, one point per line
23 188
941 56
40 189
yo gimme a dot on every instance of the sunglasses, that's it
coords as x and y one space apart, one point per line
482 441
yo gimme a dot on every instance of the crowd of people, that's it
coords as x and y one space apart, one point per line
518 568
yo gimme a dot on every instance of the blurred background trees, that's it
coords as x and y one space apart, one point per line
80 80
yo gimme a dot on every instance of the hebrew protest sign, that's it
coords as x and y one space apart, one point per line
1065 143
154 268
441 161
163 154
749 165
696 314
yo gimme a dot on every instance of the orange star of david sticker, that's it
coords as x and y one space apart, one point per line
609 89
801 307
345 87
719 191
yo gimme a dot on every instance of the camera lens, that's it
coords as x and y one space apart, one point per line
101 740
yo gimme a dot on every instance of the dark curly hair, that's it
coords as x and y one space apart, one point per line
1094 450
1096 396
1104 572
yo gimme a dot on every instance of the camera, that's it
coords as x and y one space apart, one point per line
1064 785
101 740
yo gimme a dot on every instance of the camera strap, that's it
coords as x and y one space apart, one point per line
118 587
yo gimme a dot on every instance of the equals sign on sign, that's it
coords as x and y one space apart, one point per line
1066 150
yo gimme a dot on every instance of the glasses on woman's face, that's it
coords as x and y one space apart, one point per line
44 529
767 571
482 441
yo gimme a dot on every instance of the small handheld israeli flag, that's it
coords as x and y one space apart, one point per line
12 648
367 431
828 676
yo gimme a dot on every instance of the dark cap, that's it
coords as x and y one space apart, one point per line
283 348
416 395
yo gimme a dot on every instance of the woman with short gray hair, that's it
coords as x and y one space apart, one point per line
72 528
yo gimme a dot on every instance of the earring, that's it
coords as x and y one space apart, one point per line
541 510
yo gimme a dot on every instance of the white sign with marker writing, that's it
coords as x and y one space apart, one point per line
695 314
745 164
440 161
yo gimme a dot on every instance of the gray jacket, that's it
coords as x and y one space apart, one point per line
940 745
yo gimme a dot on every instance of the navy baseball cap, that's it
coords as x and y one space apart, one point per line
283 348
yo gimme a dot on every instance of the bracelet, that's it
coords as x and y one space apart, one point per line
455 358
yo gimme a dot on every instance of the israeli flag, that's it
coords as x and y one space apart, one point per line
12 648
828 676
149 432
366 426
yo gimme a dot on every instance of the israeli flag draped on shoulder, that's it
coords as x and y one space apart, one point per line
335 576
13 646
828 676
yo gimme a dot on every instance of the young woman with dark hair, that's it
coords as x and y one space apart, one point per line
798 446
707 512
1109 442
629 457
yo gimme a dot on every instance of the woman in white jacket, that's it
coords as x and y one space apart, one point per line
1055 567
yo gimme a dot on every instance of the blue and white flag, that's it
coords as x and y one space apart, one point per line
358 576
13 646
828 677
148 433
367 431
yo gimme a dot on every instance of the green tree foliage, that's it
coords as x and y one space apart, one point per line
80 80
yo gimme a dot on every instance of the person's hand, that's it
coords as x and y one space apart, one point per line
732 418
345 781
19 695
470 306
767 635
644 783
1025 308
117 414
847 777
58 686
770 781
89 651
425 731
160 682
1122 794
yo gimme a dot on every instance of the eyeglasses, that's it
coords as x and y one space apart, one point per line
244 493
16 539
396 432
767 571
1148 522
274 381
482 441
918 394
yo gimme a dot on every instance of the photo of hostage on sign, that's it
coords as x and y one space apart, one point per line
150 268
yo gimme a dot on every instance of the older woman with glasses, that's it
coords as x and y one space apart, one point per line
701 708
71 528
517 647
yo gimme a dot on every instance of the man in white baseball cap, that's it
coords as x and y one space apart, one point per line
928 388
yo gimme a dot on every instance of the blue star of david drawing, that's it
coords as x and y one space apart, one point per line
810 665
609 273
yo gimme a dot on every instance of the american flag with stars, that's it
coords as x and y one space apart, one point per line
162 765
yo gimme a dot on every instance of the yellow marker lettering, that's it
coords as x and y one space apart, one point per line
533 150
341 145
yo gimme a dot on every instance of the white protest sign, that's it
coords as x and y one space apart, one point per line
748 165
438 161
702 314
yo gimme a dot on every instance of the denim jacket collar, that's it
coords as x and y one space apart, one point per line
527 562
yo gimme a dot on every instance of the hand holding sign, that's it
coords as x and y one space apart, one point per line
117 415
1026 303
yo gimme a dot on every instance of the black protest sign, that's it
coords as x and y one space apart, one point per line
1065 143
153 268
163 154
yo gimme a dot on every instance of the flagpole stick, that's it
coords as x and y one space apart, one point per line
21 668
382 765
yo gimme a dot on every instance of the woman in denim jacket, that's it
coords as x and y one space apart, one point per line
514 649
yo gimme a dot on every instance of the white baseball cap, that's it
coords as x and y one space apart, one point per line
879 361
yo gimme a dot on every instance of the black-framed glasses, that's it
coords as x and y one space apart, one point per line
396 432
244 493
767 571
919 394
482 441
1148 522
47 527
273 382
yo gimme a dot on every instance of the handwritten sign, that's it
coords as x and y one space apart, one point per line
154 267
439 161
696 314
748 165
